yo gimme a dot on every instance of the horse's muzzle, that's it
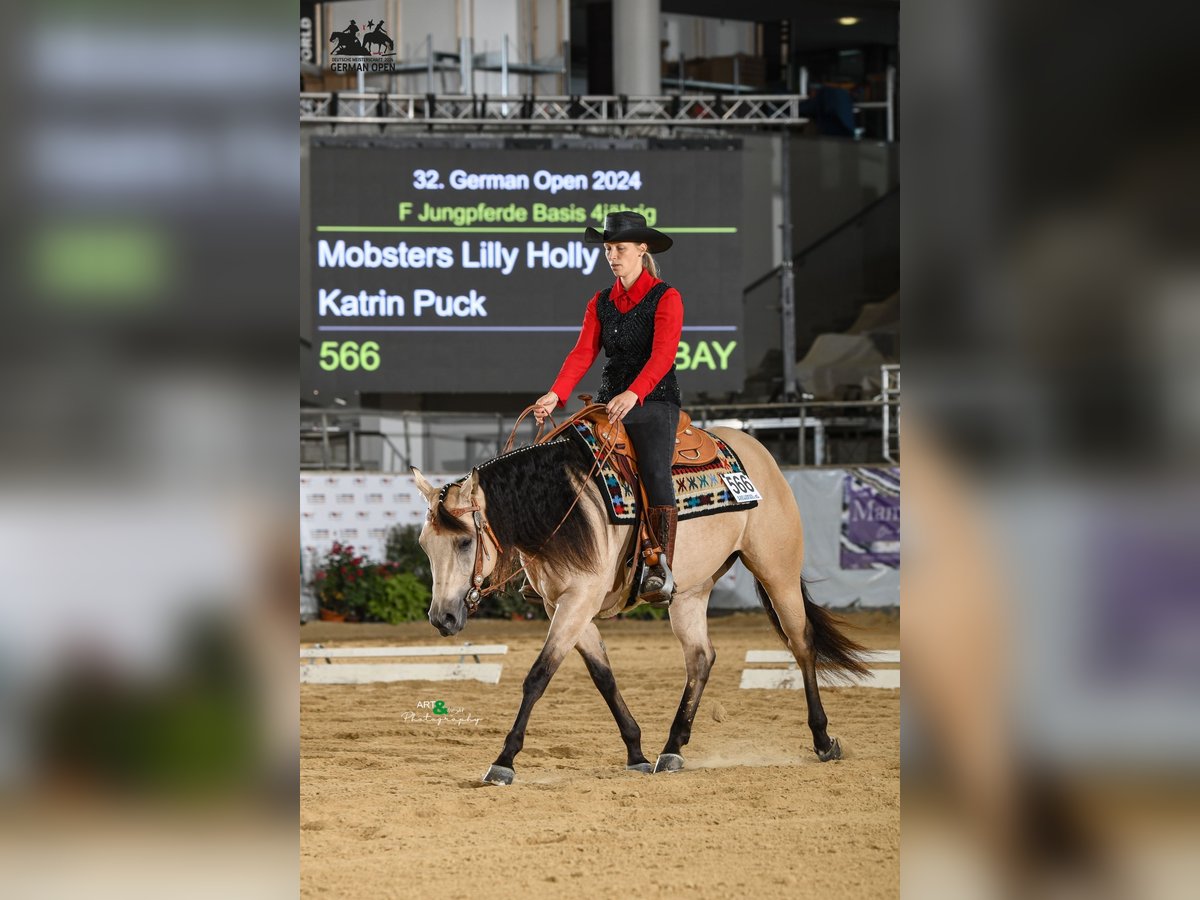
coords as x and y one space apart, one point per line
448 623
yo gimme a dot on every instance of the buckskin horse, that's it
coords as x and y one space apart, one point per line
538 507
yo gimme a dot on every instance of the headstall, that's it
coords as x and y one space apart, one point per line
476 591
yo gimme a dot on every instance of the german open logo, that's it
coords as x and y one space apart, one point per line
369 49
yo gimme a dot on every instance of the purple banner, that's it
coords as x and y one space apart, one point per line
871 519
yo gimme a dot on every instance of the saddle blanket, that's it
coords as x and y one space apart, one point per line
699 490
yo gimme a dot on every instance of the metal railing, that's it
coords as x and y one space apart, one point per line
797 425
351 439
334 440
802 432
890 378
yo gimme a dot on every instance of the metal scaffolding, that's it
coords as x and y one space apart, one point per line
423 110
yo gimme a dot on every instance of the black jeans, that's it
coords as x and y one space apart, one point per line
651 427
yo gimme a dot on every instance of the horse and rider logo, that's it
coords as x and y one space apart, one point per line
349 42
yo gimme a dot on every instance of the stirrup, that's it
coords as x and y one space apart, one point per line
654 594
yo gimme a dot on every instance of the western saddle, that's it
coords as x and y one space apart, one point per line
693 447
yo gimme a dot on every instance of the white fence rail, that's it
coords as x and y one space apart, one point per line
792 678
368 673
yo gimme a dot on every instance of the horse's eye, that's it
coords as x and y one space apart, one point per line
464 544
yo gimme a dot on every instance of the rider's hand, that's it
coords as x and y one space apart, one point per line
544 405
619 405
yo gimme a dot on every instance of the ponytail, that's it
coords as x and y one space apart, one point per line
649 263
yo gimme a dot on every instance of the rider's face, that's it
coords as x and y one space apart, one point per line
624 257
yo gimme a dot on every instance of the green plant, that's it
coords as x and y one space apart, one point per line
397 597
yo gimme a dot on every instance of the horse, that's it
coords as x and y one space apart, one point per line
538 508
347 44
379 37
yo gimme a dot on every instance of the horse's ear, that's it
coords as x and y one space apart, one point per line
424 486
467 491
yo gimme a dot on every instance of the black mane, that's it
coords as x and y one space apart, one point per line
528 492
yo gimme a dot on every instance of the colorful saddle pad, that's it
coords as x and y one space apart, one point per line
699 490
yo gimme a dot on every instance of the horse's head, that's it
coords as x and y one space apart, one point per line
461 550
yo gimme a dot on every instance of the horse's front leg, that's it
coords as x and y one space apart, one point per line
572 617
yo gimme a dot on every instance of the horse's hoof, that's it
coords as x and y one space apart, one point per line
498 775
834 752
668 762
643 767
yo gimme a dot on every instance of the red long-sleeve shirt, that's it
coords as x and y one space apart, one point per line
668 325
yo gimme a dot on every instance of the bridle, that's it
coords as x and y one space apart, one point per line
476 592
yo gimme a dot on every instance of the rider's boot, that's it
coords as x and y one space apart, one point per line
658 584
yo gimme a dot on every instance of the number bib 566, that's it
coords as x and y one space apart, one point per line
741 486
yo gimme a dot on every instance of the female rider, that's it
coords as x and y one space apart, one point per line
637 321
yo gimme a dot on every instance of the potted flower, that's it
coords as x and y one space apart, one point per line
338 583
351 587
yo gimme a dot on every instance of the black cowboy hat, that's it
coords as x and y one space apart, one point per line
627 225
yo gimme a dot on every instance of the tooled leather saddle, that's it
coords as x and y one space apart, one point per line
693 446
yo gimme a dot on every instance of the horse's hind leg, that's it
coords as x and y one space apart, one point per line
784 603
689 621
595 657
826 748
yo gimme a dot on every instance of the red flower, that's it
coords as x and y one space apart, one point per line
321 575
350 578
342 569
357 560
337 548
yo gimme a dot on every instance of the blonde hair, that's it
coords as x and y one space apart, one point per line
649 263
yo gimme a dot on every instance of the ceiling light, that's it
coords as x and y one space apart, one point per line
848 20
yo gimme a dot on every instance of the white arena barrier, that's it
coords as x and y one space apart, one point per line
791 678
785 656
367 673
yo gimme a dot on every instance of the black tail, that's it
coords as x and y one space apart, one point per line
836 653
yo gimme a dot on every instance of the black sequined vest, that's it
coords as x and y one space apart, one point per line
627 339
